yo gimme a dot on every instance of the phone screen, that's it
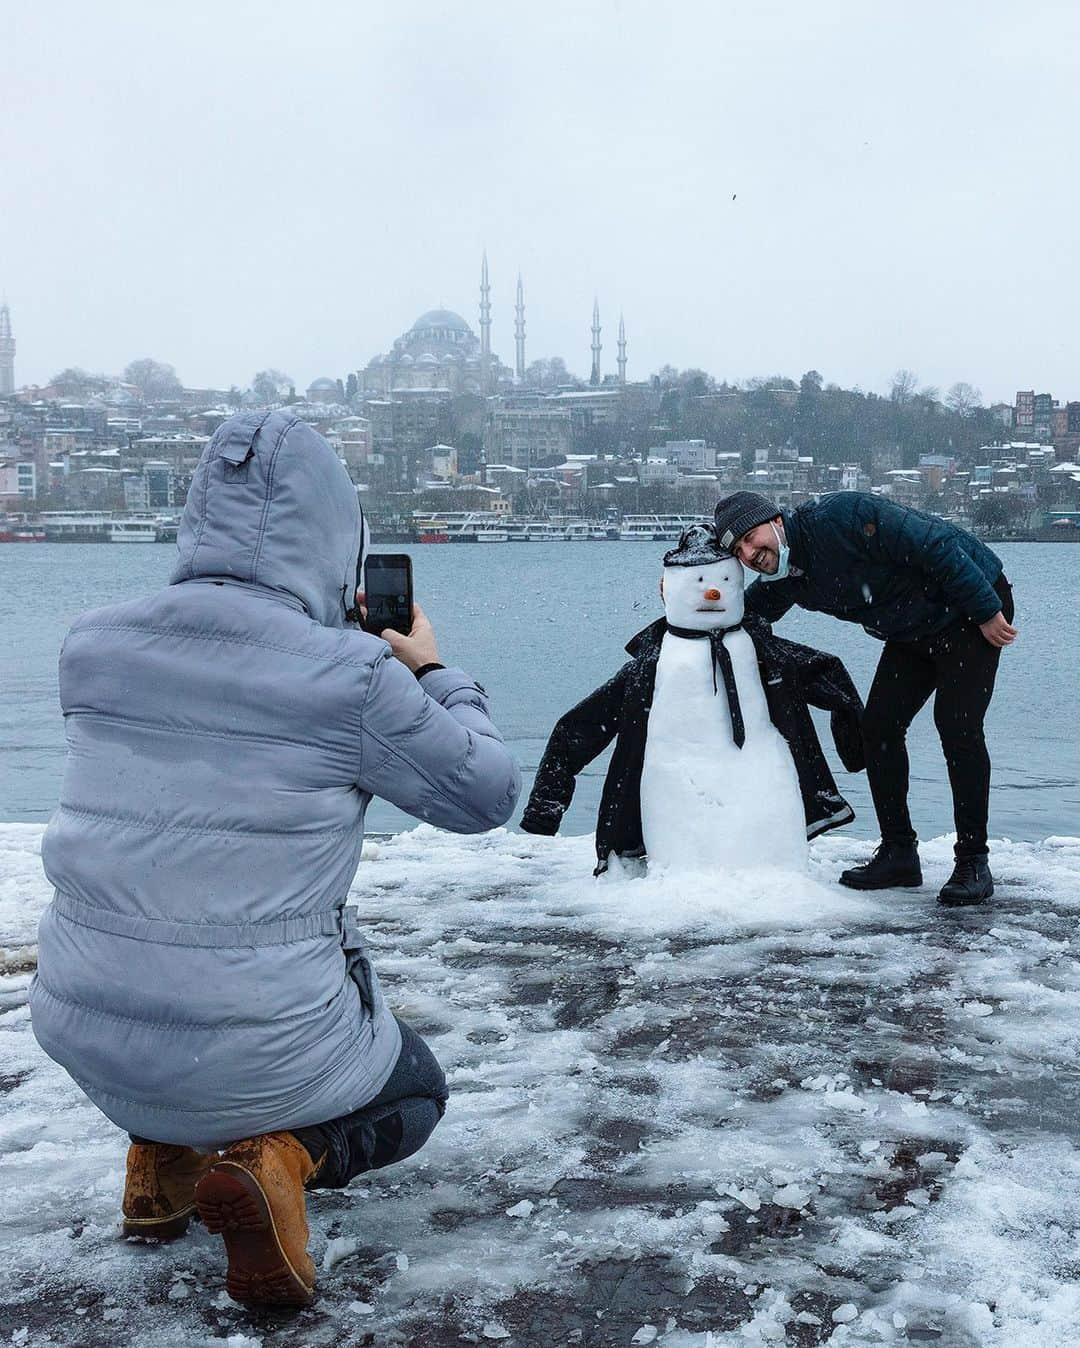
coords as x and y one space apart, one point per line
388 591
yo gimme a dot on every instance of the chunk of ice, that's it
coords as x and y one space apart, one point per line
792 1196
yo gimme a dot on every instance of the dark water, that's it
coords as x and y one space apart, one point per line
541 625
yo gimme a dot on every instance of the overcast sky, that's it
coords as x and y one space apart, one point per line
761 187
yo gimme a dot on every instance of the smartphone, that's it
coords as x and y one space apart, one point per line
388 592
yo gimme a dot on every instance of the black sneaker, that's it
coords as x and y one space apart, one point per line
893 866
970 882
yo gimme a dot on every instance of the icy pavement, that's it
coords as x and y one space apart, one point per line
685 1114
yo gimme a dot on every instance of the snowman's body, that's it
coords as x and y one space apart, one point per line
707 804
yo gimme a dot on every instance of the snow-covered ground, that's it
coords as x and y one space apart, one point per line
718 1112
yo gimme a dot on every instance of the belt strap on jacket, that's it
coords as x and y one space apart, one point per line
276 931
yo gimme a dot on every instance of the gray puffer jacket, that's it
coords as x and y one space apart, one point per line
198 975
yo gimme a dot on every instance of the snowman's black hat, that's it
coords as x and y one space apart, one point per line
698 546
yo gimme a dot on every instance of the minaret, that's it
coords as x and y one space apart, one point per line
485 322
519 332
7 352
594 378
622 351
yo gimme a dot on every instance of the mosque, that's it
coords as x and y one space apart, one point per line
440 351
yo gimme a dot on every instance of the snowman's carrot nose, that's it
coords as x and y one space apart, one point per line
712 595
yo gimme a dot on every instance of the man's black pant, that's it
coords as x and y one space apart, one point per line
960 665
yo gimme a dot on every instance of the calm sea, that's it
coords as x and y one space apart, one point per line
541 625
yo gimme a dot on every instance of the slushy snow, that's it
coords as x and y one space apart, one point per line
733 1114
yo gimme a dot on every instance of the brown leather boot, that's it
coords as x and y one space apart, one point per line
159 1191
254 1198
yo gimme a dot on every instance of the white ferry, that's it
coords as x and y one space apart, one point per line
588 531
133 531
75 526
545 531
492 536
653 528
465 526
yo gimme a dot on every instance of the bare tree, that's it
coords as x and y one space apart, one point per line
963 398
154 380
998 510
548 374
75 382
271 386
904 384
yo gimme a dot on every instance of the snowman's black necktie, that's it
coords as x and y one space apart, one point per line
721 656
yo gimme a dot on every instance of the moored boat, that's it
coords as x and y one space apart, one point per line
14 531
133 531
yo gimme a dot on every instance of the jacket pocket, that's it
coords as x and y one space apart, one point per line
359 968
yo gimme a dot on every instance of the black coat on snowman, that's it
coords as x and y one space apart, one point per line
793 677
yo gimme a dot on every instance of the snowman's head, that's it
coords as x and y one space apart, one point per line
702 585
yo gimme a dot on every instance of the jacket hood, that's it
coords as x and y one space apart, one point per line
272 505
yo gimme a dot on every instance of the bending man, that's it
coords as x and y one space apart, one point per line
939 600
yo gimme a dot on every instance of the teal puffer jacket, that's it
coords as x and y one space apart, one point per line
899 573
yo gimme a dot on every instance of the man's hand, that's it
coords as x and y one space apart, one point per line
998 631
415 650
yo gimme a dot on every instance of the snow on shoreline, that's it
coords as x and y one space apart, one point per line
730 1110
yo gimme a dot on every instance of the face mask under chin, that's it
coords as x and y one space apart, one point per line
783 558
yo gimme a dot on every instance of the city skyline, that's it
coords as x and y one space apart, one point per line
11 383
759 192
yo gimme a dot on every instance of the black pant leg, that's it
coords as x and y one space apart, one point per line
967 667
903 681
390 1127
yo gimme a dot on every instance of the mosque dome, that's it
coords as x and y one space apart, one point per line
327 385
436 350
440 318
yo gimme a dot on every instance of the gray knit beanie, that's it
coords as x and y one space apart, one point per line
740 512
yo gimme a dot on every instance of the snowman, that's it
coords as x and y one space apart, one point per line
718 783
716 762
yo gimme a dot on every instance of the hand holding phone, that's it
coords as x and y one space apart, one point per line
416 650
410 637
